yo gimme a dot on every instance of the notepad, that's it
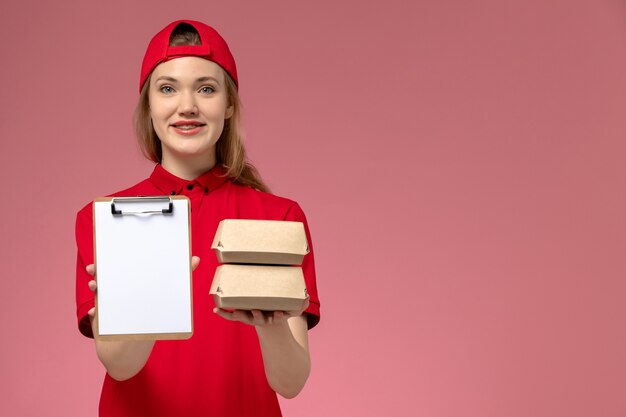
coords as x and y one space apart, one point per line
143 267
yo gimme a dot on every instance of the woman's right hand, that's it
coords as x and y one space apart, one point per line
91 270
93 286
122 359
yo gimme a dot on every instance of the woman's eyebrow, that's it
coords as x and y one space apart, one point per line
203 79
166 78
198 80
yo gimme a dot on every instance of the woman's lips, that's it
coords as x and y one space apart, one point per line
189 128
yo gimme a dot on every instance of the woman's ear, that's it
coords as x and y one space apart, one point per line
229 112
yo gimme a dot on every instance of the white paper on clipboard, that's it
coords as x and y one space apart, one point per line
143 267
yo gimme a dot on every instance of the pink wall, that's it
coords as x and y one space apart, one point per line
461 164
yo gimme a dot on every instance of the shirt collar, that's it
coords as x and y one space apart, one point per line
170 184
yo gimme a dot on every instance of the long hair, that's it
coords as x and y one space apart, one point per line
230 150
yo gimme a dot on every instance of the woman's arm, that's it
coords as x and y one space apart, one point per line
285 349
123 359
284 345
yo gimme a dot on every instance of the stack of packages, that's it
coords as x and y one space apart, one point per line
260 265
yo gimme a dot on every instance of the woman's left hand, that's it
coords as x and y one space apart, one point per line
258 317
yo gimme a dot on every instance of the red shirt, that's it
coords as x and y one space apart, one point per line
219 370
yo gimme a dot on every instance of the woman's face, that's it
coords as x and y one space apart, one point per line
188 106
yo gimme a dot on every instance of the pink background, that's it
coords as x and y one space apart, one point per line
461 164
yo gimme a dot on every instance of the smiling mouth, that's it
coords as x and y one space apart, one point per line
187 126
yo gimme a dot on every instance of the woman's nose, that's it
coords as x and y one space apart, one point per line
187 104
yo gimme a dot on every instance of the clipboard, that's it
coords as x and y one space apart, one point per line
142 253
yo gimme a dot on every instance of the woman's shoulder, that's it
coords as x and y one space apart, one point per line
253 193
253 202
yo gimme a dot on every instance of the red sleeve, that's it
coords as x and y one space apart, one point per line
84 242
296 214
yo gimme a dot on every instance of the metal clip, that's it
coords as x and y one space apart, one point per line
155 199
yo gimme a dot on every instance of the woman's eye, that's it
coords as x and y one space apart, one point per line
167 89
207 89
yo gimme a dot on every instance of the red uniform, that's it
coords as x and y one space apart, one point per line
219 370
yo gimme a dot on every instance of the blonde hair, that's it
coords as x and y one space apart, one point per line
230 150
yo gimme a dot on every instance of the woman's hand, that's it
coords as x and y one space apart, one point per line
91 270
259 318
93 286
122 359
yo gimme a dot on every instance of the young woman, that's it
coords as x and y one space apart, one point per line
188 122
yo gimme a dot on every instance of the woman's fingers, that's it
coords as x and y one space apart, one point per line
91 270
257 318
253 317
195 261
223 313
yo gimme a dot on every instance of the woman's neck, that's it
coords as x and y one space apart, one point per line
188 168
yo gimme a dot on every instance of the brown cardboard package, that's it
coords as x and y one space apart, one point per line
259 287
260 242
259 271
